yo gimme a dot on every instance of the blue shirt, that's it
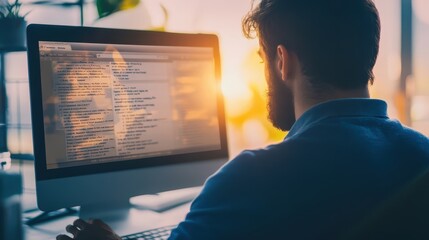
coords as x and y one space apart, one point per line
340 161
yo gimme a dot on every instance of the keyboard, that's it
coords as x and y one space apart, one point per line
161 233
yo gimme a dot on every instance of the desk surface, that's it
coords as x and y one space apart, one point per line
139 220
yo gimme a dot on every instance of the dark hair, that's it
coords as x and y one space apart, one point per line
336 41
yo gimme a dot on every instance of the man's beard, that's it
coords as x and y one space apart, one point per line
280 102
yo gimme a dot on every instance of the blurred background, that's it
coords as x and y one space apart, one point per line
402 70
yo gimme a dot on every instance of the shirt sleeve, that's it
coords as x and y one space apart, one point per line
222 209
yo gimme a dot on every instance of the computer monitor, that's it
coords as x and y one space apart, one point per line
120 113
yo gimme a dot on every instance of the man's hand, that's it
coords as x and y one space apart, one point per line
91 230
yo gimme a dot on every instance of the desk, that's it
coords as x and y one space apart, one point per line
139 220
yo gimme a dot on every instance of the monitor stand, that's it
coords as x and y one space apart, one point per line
138 213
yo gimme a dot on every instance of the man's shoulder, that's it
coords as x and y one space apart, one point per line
410 141
264 160
244 179
287 148
413 134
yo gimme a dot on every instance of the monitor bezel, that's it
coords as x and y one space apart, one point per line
38 32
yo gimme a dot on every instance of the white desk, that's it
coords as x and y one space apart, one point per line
139 220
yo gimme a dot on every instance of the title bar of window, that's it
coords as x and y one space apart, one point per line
54 47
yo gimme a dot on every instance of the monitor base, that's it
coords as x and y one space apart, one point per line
48 216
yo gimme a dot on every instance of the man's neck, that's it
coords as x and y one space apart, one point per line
303 102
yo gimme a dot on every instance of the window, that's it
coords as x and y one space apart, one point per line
419 89
243 78
18 136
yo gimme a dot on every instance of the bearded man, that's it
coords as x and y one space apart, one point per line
343 158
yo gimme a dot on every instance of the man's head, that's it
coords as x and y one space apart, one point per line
334 43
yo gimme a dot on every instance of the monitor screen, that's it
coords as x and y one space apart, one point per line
113 100
105 102
128 112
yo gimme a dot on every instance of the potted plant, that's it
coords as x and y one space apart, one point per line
108 8
12 27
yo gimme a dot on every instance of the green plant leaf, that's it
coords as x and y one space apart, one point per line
163 27
11 10
107 7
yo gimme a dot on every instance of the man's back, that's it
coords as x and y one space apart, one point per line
340 162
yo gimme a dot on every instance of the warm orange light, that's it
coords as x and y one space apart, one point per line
237 94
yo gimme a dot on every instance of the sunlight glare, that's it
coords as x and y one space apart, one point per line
237 94
255 133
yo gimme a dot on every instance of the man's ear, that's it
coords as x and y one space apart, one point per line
282 62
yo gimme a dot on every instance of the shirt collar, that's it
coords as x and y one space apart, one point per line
340 108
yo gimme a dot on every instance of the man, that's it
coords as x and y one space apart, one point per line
343 158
